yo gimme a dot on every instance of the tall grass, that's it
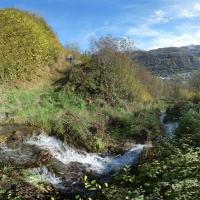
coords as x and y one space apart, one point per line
62 113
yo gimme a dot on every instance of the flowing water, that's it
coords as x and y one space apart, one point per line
45 175
92 161
169 126
61 163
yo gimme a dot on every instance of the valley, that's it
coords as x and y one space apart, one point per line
108 124
167 62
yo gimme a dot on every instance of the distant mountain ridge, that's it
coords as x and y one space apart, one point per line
171 60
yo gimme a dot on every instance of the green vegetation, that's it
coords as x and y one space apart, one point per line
143 125
101 102
112 76
91 125
27 45
94 104
168 172
170 169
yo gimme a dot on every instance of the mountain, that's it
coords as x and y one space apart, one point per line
170 61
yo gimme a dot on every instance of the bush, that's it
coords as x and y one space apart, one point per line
168 172
189 128
141 126
111 75
26 44
175 112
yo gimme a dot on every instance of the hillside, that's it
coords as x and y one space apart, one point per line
170 61
27 45
102 126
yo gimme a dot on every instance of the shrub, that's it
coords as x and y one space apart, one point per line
142 126
189 128
168 172
111 75
26 45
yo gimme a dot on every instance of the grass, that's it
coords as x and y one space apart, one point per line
59 112
93 126
44 108
143 124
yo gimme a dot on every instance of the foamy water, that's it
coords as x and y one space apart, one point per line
92 161
44 175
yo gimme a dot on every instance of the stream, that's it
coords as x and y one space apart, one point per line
52 161
56 163
168 126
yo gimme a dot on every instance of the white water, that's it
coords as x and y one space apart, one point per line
92 161
44 175
169 127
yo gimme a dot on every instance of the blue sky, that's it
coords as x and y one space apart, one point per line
149 23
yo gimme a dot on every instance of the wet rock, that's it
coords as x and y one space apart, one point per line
44 156
20 155
72 173
143 136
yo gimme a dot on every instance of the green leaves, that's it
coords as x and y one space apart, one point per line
172 173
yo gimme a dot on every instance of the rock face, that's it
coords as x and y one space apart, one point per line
169 61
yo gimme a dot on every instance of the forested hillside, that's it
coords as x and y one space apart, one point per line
170 61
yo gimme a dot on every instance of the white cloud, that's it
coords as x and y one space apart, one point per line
190 12
148 33
159 16
197 6
183 34
187 14
171 40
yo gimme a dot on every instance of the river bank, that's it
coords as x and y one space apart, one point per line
46 160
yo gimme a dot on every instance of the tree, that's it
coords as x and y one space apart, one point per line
109 43
111 74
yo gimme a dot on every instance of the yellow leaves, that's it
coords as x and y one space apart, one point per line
189 95
26 42
146 96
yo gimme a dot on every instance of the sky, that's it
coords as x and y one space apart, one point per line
149 23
